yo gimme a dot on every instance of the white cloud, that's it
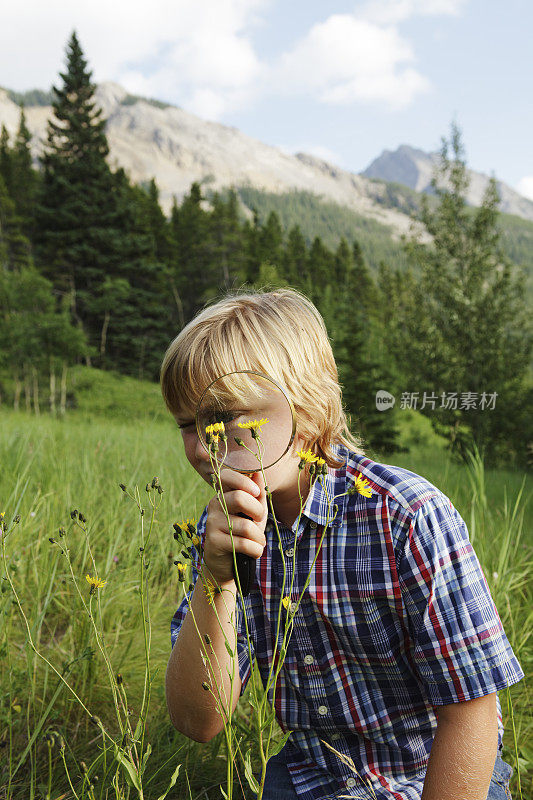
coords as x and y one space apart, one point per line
390 12
200 54
346 59
196 53
525 187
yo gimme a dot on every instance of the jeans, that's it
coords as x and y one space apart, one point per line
278 784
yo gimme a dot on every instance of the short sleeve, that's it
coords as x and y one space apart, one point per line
181 612
459 648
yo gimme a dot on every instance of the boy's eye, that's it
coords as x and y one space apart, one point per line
183 425
221 416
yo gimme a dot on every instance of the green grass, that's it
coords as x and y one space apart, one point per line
49 467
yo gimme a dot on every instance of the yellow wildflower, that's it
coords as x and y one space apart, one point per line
362 486
210 590
214 432
286 601
188 526
254 425
95 583
306 457
181 570
321 468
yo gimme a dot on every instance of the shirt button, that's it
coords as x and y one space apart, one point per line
335 736
308 659
314 525
322 710
350 783
289 552
293 608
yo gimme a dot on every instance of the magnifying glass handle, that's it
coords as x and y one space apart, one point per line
245 568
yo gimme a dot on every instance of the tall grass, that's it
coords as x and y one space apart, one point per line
47 469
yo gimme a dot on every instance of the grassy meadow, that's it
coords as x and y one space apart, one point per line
118 433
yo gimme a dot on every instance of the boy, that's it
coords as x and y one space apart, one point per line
397 650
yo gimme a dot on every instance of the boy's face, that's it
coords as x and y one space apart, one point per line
282 477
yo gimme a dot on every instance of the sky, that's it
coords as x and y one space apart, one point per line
341 80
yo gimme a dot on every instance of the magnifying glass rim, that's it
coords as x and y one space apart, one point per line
258 375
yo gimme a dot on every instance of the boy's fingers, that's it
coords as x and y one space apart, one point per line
258 479
236 480
241 502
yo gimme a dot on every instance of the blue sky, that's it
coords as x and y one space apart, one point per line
344 80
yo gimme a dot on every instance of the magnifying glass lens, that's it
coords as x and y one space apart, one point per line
257 415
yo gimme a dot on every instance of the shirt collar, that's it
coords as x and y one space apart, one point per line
330 485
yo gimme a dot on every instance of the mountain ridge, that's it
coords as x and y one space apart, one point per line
151 139
414 168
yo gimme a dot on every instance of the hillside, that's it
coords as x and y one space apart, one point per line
414 168
152 139
176 148
318 217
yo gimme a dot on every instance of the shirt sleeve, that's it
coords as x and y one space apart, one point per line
181 612
459 648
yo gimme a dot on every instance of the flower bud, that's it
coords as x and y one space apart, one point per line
122 487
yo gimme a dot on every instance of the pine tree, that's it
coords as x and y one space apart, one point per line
6 159
159 226
475 337
134 304
295 258
225 254
271 243
77 235
354 330
15 247
190 227
319 271
24 178
252 255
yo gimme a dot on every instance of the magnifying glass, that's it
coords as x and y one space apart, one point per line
259 423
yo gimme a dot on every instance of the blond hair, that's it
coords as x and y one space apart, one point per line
279 333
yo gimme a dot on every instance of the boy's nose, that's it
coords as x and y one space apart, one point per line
200 452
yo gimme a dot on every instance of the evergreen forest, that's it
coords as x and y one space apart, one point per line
92 272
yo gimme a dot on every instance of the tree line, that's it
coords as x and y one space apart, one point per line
92 270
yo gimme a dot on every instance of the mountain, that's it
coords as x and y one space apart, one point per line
414 168
149 138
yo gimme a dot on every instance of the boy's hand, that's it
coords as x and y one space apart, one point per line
243 494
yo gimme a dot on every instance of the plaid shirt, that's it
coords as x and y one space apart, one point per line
397 619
